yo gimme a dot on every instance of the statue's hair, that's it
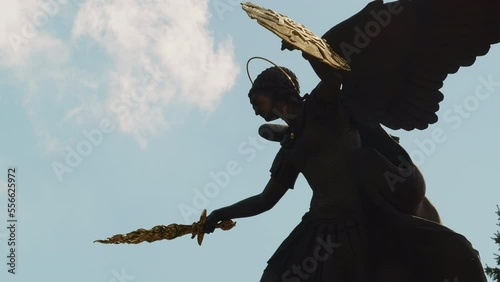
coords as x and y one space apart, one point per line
274 79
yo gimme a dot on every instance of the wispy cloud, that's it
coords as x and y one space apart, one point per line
161 60
38 65
23 37
163 54
12 20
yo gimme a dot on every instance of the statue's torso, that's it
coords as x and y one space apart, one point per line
320 151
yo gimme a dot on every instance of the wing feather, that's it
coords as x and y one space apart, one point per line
399 67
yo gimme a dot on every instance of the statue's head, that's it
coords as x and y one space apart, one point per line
275 79
272 89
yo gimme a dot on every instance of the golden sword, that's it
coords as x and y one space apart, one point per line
162 232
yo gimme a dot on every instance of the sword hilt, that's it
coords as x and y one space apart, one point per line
199 226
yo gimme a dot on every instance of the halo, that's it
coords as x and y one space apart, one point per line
271 62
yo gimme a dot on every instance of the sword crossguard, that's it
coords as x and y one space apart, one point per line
197 227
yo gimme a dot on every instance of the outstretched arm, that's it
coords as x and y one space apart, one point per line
251 206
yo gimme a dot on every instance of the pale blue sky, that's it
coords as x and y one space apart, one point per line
65 88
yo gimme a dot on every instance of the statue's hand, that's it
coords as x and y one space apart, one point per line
287 46
211 222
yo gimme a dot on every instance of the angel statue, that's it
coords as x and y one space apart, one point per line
360 226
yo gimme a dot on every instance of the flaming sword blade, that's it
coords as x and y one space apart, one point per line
162 232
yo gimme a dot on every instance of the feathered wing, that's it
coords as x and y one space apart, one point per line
401 52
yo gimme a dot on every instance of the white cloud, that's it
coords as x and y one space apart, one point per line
23 34
33 56
164 59
12 21
164 54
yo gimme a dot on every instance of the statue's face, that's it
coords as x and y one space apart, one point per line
263 104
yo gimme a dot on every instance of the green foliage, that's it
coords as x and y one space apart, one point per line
494 273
